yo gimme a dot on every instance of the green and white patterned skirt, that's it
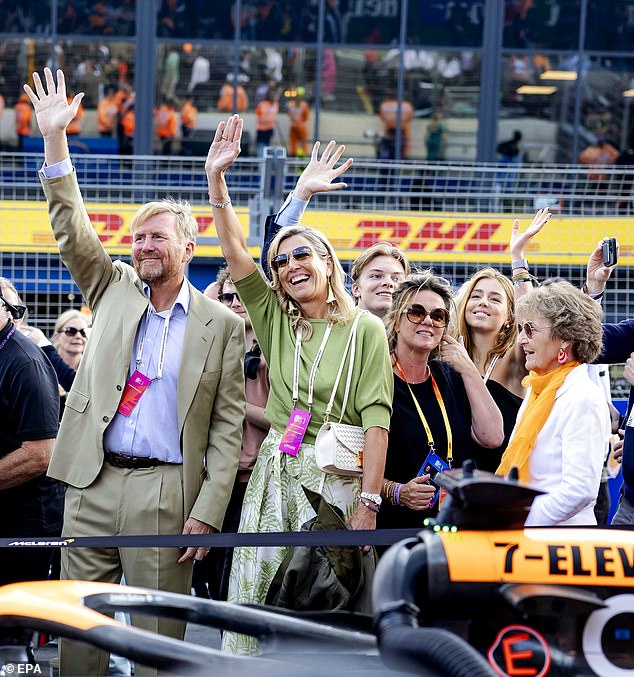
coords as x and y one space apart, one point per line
275 501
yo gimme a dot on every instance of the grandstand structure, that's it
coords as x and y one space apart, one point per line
560 71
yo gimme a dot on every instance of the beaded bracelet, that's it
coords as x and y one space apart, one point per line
220 205
519 278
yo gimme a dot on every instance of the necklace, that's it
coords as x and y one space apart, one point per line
8 336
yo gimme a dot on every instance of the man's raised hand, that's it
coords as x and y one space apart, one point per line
52 109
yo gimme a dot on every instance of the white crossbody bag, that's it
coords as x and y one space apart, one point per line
339 447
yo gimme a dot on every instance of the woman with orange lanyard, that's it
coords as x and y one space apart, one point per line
440 405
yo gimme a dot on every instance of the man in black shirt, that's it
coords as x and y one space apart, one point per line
30 503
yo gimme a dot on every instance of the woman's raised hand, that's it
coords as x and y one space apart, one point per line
520 241
52 110
321 172
597 274
225 146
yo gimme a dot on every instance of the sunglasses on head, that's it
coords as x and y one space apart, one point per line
416 314
228 298
73 331
530 329
16 312
302 253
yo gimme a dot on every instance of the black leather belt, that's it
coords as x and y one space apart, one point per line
132 462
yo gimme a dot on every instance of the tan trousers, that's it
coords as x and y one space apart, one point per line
123 502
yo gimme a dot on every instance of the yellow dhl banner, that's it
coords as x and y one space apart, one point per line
429 237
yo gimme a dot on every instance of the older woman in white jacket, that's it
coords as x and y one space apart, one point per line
563 425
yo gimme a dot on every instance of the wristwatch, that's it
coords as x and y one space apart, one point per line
594 297
375 498
522 263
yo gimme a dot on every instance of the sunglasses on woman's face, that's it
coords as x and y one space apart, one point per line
302 253
416 314
73 331
17 312
530 329
228 298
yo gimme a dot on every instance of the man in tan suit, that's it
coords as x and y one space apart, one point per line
164 461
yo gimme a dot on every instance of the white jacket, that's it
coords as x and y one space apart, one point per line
568 455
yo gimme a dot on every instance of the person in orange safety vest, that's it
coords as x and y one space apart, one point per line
107 111
166 123
266 113
127 131
225 101
189 113
298 113
388 112
23 114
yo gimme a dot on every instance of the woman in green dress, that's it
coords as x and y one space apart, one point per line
302 321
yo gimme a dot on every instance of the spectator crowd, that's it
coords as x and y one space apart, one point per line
193 413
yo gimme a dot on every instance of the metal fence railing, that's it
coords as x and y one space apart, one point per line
592 203
452 188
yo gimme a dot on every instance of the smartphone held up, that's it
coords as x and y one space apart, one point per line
610 255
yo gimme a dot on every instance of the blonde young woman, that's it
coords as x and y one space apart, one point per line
485 318
302 322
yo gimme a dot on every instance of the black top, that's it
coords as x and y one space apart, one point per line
408 446
29 406
509 148
65 374
508 403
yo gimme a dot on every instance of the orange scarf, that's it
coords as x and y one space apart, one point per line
540 404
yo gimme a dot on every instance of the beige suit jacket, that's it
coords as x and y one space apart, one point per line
210 383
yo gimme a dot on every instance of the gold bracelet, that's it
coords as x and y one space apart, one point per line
390 488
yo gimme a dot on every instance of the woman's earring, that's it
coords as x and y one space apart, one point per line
331 294
562 357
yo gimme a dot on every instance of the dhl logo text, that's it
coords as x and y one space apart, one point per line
441 236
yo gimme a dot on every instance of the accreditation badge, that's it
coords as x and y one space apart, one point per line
135 387
295 431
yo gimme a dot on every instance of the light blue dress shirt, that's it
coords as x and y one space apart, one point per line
151 430
291 212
